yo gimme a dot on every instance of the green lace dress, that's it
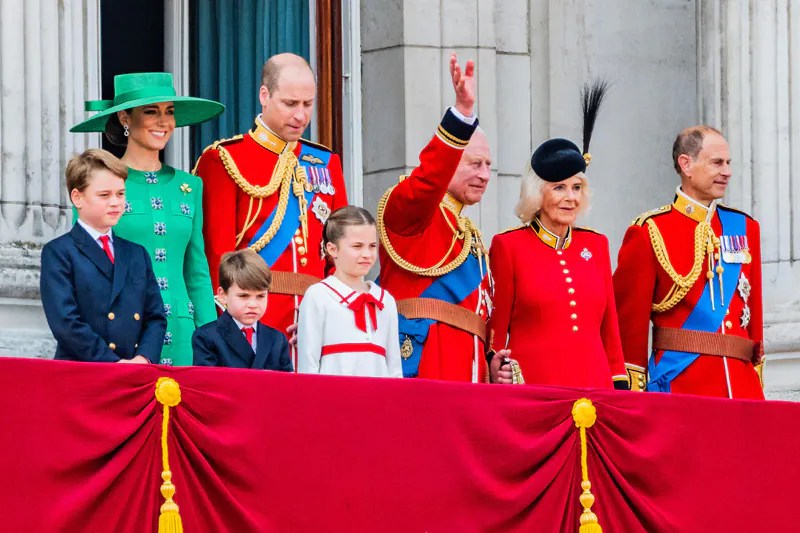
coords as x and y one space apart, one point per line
164 213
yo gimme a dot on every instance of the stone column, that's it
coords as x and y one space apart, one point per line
747 85
48 66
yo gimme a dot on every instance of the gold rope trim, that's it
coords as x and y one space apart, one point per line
168 393
704 242
584 414
465 231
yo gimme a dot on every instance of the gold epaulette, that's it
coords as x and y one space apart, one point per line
316 145
729 208
585 228
641 219
213 146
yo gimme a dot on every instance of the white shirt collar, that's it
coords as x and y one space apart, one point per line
94 233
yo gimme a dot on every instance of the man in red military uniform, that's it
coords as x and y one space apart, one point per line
272 191
432 258
693 268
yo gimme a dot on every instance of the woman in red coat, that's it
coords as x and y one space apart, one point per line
554 298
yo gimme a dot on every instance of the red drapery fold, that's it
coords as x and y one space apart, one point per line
262 451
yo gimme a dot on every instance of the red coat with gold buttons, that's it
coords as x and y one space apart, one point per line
227 206
554 309
640 281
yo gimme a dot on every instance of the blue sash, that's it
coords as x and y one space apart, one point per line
702 317
452 288
291 220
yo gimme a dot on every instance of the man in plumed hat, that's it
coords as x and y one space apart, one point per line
272 191
693 269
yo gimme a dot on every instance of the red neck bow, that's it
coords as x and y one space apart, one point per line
363 304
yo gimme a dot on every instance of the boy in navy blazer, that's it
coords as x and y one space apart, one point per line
237 339
98 290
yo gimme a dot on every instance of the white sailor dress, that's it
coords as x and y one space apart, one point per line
346 333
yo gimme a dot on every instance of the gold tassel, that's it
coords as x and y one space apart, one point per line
168 393
584 414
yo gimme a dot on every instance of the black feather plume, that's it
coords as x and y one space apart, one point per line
592 96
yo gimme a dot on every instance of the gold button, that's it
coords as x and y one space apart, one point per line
573 303
111 316
728 311
559 252
571 290
112 345
303 261
566 271
297 232
728 324
574 328
569 280
136 316
562 262
298 240
574 316
301 249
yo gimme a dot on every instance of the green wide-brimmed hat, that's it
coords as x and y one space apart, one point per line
145 88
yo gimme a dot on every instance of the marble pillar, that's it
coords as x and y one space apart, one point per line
48 65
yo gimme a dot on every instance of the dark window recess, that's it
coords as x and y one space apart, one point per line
131 40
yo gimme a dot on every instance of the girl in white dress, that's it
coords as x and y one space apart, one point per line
348 326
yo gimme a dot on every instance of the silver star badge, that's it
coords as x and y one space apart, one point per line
745 320
744 289
586 254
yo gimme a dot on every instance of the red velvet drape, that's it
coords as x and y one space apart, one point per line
260 451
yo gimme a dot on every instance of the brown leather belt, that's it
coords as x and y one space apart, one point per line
291 283
444 312
706 343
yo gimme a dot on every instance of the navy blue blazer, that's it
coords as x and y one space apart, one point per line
222 343
99 311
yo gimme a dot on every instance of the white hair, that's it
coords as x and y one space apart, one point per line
531 193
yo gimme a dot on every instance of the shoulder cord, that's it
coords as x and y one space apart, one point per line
705 242
465 231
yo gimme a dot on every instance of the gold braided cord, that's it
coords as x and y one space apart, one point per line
284 170
466 232
681 284
280 212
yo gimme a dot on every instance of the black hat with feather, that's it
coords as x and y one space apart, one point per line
558 159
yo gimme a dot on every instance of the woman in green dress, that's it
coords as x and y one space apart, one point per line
163 208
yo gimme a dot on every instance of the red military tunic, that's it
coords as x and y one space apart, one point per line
554 308
640 281
419 225
230 169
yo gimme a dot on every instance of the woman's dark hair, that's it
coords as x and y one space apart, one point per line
115 133
349 215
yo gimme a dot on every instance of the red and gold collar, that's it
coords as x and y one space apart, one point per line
549 238
268 139
452 204
691 208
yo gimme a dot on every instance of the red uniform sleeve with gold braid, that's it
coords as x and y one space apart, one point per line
756 327
609 328
219 210
634 286
415 200
504 283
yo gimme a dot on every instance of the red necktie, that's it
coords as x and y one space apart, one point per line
248 333
368 301
106 248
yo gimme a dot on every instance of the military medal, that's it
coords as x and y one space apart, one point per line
320 209
407 348
586 254
735 249
744 292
